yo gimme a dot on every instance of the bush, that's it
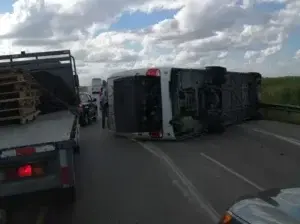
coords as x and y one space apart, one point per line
281 90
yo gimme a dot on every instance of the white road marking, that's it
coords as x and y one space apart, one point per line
182 188
287 139
190 189
146 147
232 172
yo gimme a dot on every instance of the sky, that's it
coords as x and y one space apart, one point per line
107 36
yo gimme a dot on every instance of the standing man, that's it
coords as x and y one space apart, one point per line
104 103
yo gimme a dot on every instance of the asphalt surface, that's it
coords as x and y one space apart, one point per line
123 181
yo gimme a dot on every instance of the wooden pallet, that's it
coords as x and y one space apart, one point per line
15 78
23 101
21 119
11 86
20 94
16 112
26 102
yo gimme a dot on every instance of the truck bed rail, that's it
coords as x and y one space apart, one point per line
38 60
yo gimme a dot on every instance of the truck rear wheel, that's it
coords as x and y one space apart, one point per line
70 195
3 216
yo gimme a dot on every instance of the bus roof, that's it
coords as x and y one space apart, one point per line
130 72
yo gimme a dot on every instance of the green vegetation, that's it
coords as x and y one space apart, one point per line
281 90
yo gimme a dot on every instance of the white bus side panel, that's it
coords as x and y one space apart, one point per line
168 132
111 115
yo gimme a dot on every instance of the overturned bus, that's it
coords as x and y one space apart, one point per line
178 103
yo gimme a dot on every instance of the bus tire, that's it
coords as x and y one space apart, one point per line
258 116
216 128
218 74
216 125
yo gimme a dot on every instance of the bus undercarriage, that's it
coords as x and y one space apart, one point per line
209 100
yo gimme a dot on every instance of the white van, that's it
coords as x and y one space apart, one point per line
96 85
177 103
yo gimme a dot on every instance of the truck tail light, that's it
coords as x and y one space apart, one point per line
25 171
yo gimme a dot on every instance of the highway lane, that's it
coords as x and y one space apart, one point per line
194 177
243 160
120 182
123 181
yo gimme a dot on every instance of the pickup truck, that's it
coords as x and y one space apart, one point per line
38 155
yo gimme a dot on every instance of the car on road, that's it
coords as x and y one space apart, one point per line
88 109
279 206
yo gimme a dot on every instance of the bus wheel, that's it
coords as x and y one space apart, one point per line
216 129
216 126
258 116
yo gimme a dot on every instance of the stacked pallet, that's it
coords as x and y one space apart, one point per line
19 97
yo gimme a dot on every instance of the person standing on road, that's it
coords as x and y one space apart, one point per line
104 103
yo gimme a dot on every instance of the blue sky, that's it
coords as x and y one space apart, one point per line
270 6
138 20
6 6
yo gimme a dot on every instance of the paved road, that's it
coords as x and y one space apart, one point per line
122 181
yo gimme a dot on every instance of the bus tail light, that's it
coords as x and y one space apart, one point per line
65 178
154 72
156 134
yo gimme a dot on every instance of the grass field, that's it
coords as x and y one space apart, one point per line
281 90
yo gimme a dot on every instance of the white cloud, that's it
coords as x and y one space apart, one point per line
297 54
233 33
